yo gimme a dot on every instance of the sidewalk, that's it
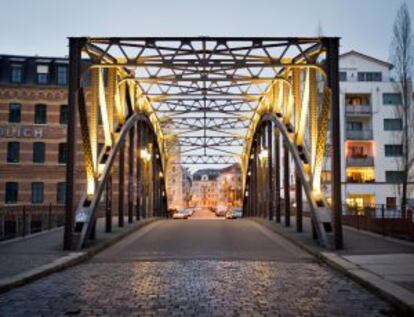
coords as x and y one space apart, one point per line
384 265
25 259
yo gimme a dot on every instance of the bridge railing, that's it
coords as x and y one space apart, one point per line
378 218
23 220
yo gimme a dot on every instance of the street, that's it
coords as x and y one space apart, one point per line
197 268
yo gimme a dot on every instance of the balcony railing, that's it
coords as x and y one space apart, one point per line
359 134
358 109
360 161
359 180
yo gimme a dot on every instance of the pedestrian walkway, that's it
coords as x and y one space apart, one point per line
383 264
31 257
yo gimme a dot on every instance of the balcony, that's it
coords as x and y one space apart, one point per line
363 110
360 161
359 134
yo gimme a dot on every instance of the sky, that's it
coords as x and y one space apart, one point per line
41 27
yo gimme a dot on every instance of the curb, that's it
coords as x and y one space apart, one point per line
400 298
67 261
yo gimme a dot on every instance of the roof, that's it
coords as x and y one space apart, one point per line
210 172
373 59
232 168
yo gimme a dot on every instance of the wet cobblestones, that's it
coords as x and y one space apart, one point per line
194 288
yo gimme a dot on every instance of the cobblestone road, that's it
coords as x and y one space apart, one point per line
119 282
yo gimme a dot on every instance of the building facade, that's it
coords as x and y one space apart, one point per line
229 183
370 131
204 190
33 118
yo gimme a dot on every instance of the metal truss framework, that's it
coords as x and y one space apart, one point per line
205 97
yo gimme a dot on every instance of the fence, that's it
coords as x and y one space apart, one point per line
22 220
380 219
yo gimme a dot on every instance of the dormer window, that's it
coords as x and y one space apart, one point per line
42 72
62 75
16 75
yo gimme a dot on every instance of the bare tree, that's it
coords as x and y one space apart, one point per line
401 52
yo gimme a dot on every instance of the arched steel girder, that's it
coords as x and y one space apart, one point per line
86 212
319 210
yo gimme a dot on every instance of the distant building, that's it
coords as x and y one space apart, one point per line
229 183
178 187
204 188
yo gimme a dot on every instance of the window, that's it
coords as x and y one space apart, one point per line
393 150
394 177
12 190
40 114
13 152
16 75
42 72
63 115
392 124
62 74
369 76
391 99
14 113
61 193
38 152
37 193
354 126
391 202
342 76
62 153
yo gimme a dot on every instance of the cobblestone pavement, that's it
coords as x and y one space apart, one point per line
128 286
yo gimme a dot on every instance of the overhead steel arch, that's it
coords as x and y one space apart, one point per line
319 210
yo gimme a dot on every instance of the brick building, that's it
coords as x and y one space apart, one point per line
33 117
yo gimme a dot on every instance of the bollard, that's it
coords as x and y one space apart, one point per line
49 217
24 221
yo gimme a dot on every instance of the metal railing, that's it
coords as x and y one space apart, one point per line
360 161
358 109
380 219
359 134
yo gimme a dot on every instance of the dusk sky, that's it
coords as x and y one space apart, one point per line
42 26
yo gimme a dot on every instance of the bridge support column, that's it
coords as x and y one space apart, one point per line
286 183
255 188
299 203
121 175
139 173
277 175
144 175
131 148
270 172
108 204
332 45
75 48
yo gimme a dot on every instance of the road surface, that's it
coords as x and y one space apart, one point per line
197 268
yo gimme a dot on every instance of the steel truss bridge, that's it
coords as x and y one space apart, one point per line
204 100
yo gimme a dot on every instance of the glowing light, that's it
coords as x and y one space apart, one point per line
90 187
247 193
161 175
145 155
264 153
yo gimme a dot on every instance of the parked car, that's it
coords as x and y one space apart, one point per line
181 214
221 211
188 212
234 213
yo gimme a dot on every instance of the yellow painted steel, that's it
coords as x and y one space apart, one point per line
313 115
321 142
104 110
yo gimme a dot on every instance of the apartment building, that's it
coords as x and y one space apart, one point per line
370 129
